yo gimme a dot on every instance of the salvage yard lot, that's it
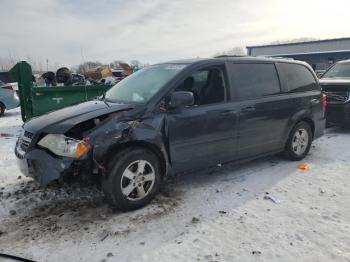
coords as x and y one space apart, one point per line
219 214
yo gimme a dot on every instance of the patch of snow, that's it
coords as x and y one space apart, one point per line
219 214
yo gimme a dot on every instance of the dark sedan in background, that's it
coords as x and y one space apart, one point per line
336 84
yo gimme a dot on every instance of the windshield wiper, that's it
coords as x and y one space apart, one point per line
116 101
102 97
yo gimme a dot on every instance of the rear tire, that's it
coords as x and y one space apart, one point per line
299 141
133 179
2 109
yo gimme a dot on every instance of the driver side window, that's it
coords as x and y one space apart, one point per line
207 86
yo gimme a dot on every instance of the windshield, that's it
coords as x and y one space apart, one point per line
340 70
141 86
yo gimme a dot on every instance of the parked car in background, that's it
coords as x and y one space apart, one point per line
175 117
320 73
118 74
336 84
5 80
8 97
78 79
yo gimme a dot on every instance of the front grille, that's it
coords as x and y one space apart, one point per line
26 139
24 142
337 97
28 134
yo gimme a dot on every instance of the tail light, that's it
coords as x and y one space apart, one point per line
324 102
8 87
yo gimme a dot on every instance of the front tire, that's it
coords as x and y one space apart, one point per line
2 109
299 141
133 179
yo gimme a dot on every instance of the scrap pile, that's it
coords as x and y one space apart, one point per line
104 75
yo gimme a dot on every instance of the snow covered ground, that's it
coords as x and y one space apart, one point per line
221 214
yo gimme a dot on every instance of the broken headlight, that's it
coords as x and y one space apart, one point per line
64 146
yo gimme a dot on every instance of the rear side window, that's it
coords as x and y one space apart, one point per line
296 78
254 80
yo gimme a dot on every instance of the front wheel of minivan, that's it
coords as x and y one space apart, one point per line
133 179
299 141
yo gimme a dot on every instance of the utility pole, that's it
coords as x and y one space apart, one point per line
47 64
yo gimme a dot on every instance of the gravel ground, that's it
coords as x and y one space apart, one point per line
266 210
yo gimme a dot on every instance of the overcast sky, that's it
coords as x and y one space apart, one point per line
68 32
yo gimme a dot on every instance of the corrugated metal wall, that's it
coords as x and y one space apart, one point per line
321 46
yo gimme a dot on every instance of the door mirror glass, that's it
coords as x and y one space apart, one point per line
181 99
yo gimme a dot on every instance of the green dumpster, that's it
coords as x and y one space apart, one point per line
36 101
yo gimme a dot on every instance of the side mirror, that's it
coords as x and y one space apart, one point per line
181 99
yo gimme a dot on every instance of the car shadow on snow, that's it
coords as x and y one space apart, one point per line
31 211
34 212
336 130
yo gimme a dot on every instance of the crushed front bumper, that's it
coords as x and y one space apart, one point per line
41 166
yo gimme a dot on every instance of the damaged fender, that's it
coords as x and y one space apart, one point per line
147 132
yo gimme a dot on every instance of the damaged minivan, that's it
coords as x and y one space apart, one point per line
175 117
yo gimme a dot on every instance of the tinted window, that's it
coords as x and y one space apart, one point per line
296 78
207 86
254 80
338 71
117 74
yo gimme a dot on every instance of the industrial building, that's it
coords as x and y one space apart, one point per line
319 54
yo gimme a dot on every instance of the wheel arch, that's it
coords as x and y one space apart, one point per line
308 120
302 115
115 149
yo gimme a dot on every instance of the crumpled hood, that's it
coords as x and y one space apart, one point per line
62 120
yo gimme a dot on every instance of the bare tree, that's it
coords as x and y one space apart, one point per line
37 64
294 40
5 64
135 63
116 63
235 51
84 67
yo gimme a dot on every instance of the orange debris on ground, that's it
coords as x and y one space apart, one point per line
303 166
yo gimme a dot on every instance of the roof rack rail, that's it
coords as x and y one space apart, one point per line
223 56
281 57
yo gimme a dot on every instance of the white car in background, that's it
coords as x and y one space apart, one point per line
8 97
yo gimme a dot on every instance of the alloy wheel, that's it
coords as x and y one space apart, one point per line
137 180
300 141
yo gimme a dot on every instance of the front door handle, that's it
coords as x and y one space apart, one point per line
248 109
